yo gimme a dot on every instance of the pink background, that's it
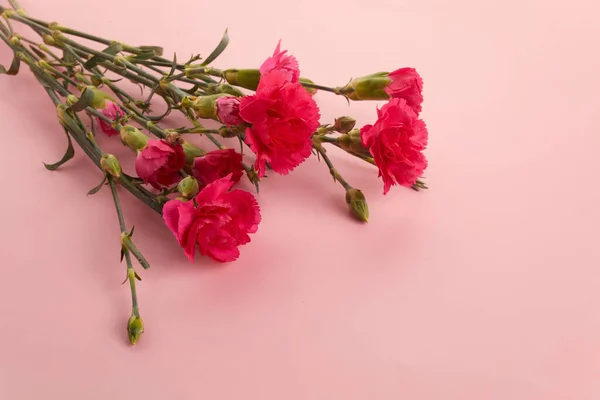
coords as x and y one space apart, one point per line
485 287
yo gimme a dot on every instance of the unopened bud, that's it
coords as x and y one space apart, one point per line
357 204
97 98
63 115
229 131
191 151
344 124
352 143
72 99
252 176
133 138
188 187
49 40
206 106
369 87
246 78
174 138
96 81
14 40
135 328
110 164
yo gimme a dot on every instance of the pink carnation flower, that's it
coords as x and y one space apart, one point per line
217 221
282 62
228 111
218 164
395 141
159 163
406 83
283 116
112 112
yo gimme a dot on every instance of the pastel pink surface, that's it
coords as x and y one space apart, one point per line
486 286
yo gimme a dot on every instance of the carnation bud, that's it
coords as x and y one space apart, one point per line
344 124
135 328
96 81
188 187
357 204
110 165
229 131
173 138
191 151
352 143
252 176
133 138
62 113
246 78
49 40
72 99
97 97
206 106
369 87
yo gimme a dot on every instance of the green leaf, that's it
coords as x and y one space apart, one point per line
137 276
218 50
87 96
14 67
112 50
96 189
130 234
68 155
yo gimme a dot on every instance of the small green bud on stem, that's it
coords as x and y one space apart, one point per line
133 138
110 165
135 328
344 124
357 204
188 187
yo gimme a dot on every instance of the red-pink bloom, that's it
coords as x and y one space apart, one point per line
228 111
218 164
283 116
217 220
159 163
396 141
112 112
282 62
406 83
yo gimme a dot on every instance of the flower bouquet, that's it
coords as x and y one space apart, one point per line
270 110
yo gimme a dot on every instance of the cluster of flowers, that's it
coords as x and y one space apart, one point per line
270 109
279 124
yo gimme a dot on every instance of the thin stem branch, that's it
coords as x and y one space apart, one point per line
334 173
131 276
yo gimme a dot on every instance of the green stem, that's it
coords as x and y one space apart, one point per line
130 269
319 87
334 173
136 252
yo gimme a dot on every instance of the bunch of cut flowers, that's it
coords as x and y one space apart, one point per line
270 110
